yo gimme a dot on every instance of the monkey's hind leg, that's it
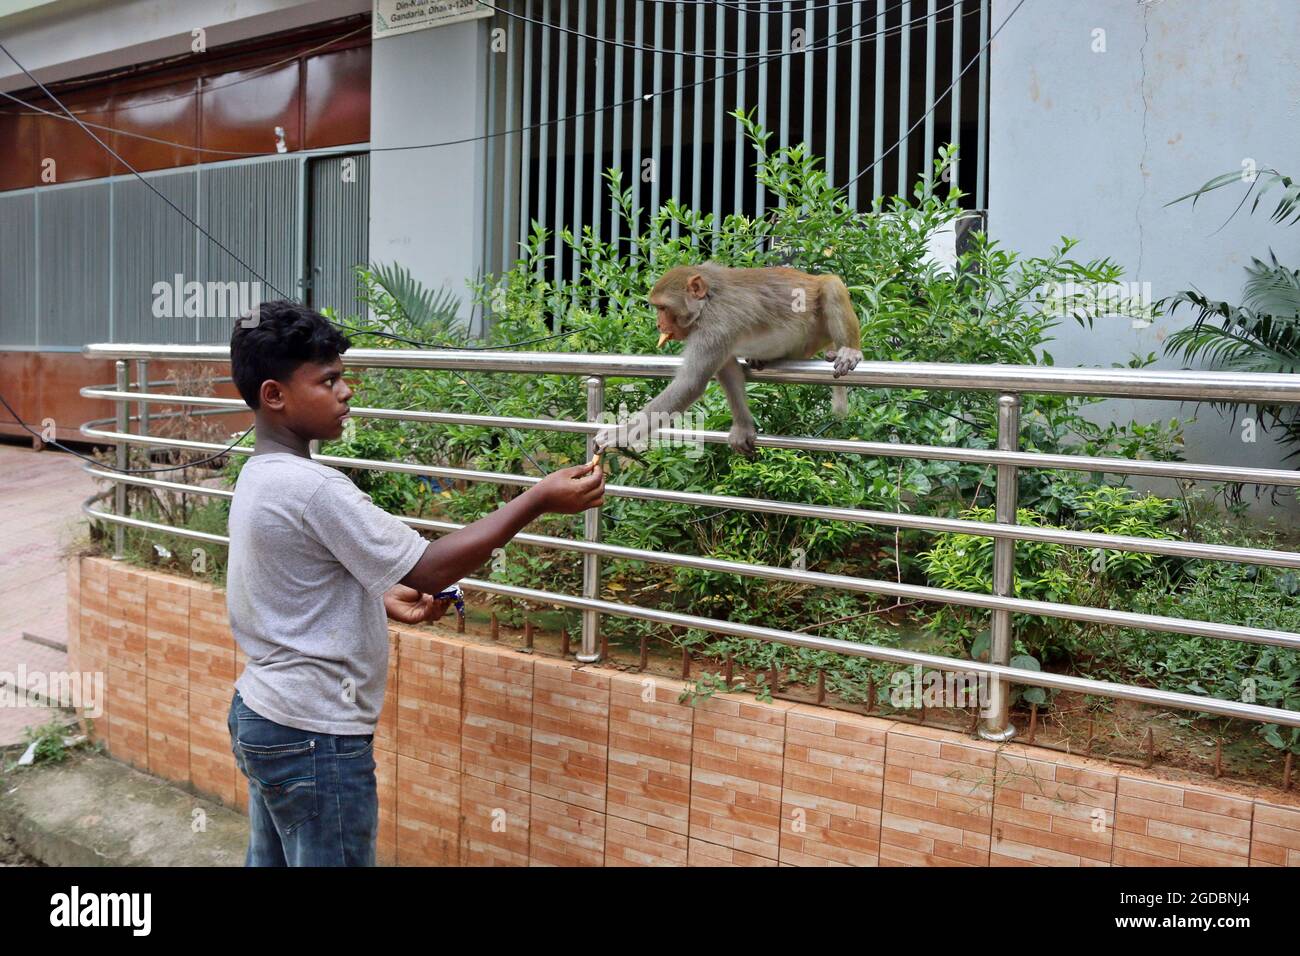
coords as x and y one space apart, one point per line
842 326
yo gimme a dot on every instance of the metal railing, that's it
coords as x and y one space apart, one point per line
1007 382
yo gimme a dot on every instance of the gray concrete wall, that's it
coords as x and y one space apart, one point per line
1094 144
426 205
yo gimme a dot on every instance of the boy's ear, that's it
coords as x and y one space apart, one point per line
271 395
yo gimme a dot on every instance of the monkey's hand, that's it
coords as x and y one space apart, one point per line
605 438
845 360
634 434
741 438
756 365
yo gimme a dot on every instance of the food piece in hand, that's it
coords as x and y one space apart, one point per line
455 595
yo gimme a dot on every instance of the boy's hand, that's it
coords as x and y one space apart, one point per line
571 490
408 606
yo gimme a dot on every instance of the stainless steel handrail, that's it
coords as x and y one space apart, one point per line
1006 381
893 519
846 446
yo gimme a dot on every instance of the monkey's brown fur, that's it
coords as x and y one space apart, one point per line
762 315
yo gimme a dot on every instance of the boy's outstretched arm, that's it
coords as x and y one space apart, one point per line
451 557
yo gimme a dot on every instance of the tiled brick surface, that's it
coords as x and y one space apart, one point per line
496 725
564 834
1164 824
212 763
710 854
167 629
126 618
736 754
428 716
72 573
650 755
92 631
494 823
428 814
128 717
169 730
832 788
1050 813
386 728
1275 835
212 646
938 799
386 790
629 843
570 734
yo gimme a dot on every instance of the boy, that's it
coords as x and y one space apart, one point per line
314 565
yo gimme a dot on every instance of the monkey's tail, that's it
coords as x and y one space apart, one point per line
839 400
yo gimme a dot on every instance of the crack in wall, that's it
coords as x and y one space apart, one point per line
1146 110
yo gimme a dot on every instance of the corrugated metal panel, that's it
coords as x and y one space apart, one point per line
152 247
74 267
340 230
17 266
252 209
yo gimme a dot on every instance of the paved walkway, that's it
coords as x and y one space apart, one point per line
40 518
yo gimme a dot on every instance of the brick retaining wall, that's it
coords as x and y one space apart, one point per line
487 756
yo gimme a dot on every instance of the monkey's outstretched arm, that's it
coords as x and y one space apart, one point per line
703 356
732 379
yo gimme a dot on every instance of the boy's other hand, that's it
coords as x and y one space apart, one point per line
571 490
408 606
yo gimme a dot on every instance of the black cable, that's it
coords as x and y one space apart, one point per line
124 471
951 86
717 55
739 7
121 132
395 337
632 100
251 270
59 103
629 101
252 75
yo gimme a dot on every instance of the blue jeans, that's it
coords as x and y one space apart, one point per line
312 799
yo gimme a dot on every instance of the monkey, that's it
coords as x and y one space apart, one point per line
761 314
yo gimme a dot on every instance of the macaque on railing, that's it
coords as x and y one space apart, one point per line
723 314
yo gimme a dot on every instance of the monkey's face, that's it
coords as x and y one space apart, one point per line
678 298
669 325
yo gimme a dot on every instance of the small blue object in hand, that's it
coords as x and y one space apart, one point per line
454 594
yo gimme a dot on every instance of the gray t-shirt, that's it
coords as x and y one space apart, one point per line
310 559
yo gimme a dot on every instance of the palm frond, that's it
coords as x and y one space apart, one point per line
1287 210
434 311
1272 288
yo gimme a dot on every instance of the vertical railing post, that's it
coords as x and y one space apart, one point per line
591 532
119 488
142 385
997 722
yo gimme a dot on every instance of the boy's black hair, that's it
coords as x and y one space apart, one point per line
274 341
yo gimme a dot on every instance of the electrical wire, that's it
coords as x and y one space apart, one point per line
252 75
951 86
220 245
395 337
717 54
654 94
629 101
122 132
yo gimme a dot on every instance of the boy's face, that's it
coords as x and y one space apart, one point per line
312 403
